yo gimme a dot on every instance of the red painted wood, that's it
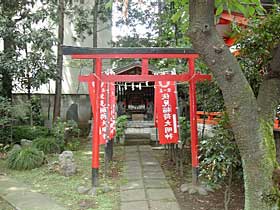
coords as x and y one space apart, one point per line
141 56
190 77
193 121
95 136
145 66
143 78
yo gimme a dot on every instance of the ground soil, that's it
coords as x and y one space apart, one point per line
213 201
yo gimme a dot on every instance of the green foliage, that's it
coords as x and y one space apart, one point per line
121 123
5 111
247 7
256 46
184 129
46 144
25 159
65 131
73 144
36 108
5 120
219 154
28 132
26 30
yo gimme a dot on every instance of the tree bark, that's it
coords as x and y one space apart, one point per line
58 87
252 131
8 10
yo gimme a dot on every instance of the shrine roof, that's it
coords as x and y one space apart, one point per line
70 50
130 66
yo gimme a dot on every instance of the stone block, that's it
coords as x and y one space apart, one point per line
156 183
136 205
133 184
161 194
163 205
133 195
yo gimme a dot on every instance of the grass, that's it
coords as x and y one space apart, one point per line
4 205
64 189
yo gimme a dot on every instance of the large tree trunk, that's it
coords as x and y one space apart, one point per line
58 85
7 79
252 131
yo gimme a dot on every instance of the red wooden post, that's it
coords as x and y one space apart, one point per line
193 122
95 136
145 66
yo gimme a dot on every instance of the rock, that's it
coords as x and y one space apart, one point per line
192 190
67 164
83 190
202 191
106 188
16 147
184 187
54 166
25 143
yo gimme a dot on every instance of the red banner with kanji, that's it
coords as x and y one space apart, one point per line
166 108
103 114
112 111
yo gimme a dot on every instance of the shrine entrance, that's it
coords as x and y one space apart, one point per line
96 82
134 99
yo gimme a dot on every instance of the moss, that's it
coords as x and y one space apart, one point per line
269 143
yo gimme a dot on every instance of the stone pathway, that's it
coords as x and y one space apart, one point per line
145 187
20 196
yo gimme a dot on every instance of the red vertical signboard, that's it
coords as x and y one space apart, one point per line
112 111
103 114
166 108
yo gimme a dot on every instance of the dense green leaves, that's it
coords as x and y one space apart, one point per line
28 58
256 47
25 158
219 154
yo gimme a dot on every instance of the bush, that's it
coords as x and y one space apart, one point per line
25 159
28 132
184 129
46 144
220 156
73 144
65 131
121 123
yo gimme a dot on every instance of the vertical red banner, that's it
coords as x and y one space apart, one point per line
166 108
103 114
112 111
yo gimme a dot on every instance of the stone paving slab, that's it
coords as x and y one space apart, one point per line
133 184
156 183
162 205
136 205
147 187
133 195
22 197
153 175
160 194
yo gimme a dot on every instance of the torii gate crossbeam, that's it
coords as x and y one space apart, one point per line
98 54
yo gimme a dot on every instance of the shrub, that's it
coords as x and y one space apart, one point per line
73 144
46 144
63 131
28 132
184 129
121 123
219 154
25 159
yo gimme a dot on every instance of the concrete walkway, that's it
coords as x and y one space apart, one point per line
20 196
145 187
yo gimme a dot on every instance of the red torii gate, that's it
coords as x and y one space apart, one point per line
98 54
